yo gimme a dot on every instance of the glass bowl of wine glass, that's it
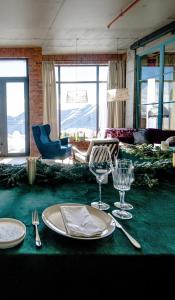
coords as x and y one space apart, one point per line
100 163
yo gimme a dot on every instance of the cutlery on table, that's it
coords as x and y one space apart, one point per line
132 240
35 222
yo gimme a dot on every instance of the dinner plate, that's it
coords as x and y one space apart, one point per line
53 219
12 232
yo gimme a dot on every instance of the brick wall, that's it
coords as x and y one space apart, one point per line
83 58
35 58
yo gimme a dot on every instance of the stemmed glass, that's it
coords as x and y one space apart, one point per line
126 163
122 178
100 163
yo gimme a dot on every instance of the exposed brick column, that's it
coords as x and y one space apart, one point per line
35 95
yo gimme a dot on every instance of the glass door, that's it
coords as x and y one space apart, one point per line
155 99
149 90
2 144
169 88
13 135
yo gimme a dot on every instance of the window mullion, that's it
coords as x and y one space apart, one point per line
59 103
97 101
161 85
138 91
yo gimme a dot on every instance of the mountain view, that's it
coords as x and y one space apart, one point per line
72 120
16 124
83 119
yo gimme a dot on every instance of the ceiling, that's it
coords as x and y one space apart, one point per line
80 26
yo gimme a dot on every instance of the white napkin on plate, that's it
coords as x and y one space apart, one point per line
79 222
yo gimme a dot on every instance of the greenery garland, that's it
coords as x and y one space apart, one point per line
150 173
145 152
59 173
12 175
147 173
151 164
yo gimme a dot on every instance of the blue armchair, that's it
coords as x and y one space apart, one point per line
50 149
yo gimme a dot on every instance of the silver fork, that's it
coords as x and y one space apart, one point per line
132 240
35 222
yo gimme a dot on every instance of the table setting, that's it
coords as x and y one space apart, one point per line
71 261
60 222
64 240
83 221
77 220
90 222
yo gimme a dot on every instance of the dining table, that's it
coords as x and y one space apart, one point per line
70 263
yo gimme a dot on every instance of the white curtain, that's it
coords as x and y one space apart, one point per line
49 98
116 79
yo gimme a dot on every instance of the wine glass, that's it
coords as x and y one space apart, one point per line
128 164
100 163
122 181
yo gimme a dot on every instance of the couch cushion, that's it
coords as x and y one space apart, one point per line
154 135
124 135
139 137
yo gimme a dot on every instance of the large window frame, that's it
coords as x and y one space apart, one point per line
3 108
97 82
161 49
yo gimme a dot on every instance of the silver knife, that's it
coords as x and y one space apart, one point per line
132 240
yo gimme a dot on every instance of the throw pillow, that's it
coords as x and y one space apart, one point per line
139 137
171 140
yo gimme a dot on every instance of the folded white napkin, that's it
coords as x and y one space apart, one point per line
78 222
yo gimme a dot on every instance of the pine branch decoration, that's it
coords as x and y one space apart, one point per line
12 175
147 173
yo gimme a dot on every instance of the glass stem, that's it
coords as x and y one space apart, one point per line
122 197
100 202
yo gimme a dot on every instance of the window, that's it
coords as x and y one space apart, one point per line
13 68
81 94
149 90
156 87
13 107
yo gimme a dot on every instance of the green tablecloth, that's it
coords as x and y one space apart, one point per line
63 259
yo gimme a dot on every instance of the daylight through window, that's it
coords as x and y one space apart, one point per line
81 98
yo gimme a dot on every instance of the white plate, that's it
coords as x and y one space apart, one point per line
12 232
53 219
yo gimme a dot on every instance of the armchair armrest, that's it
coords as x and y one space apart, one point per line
81 156
75 149
64 141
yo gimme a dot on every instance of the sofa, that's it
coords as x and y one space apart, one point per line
140 136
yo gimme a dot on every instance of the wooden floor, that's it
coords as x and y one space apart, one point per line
23 160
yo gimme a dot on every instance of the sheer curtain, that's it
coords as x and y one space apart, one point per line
49 98
116 79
